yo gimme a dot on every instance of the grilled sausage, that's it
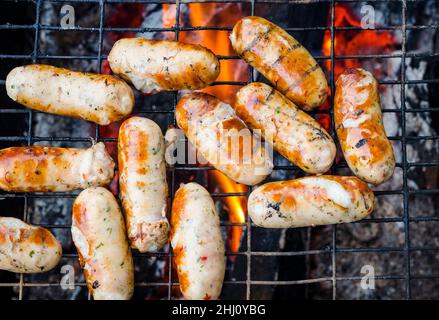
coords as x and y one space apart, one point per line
197 243
359 126
98 98
296 135
98 232
310 201
282 60
39 168
143 188
153 66
222 138
27 249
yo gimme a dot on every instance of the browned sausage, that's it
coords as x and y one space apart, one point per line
296 135
27 249
143 187
99 234
159 65
310 201
282 60
197 243
98 98
39 168
222 138
359 126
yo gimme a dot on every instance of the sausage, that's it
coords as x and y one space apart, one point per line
222 138
27 249
359 126
143 187
44 169
294 134
310 201
282 60
197 243
98 98
160 65
98 231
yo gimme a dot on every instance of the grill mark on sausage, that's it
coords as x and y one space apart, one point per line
319 133
359 112
281 57
310 70
304 76
196 74
361 143
366 206
270 95
256 40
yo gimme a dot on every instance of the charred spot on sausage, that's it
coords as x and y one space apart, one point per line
361 143
95 284
274 208
270 95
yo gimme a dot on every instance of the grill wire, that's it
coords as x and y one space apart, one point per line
333 250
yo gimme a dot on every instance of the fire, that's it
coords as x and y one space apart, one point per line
236 205
353 42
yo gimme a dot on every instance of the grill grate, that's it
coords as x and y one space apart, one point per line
333 250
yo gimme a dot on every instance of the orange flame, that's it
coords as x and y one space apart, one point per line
236 206
353 42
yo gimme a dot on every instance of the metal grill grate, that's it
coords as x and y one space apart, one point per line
333 250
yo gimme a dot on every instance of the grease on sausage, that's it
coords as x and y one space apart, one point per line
143 187
99 234
27 249
159 65
310 201
40 168
98 98
296 135
281 59
197 243
359 126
